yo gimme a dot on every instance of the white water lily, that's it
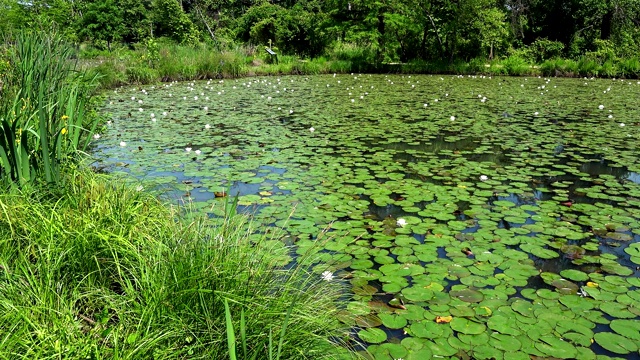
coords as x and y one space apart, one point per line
621 124
600 107
139 101
122 143
425 105
141 109
290 111
484 178
401 222
327 276
198 152
96 136
153 115
207 126
164 113
610 116
206 108
312 129
536 113
188 149
452 118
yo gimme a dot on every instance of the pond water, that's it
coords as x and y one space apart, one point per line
473 217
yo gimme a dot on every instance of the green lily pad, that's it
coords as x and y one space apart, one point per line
467 295
372 336
555 347
574 275
466 326
627 328
615 343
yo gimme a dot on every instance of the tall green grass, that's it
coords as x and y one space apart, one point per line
43 118
97 269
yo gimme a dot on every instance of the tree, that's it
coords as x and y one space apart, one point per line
492 28
102 21
171 21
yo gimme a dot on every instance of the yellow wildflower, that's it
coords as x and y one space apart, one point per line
64 117
64 131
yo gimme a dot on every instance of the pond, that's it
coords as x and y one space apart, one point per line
473 217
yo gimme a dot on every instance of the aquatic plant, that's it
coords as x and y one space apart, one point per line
43 114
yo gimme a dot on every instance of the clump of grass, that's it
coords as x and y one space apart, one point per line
43 119
98 269
516 66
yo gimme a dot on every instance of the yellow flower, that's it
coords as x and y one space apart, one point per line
64 131
64 117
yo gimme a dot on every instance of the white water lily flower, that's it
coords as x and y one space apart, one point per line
139 188
452 118
536 113
290 111
188 149
140 109
327 276
621 124
206 108
484 178
610 116
153 115
96 136
401 222
312 129
207 126
425 105
139 101
164 113
601 107
133 98
122 143
198 152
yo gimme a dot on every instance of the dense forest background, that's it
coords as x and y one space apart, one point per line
376 30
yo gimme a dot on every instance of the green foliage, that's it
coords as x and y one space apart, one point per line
99 269
604 51
102 21
172 22
516 66
540 50
42 115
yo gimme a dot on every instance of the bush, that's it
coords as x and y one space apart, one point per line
516 66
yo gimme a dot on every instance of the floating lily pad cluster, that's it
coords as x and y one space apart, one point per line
474 217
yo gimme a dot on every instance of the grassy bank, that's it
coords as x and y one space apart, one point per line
98 269
155 62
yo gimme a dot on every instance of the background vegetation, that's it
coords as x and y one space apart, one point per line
602 33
